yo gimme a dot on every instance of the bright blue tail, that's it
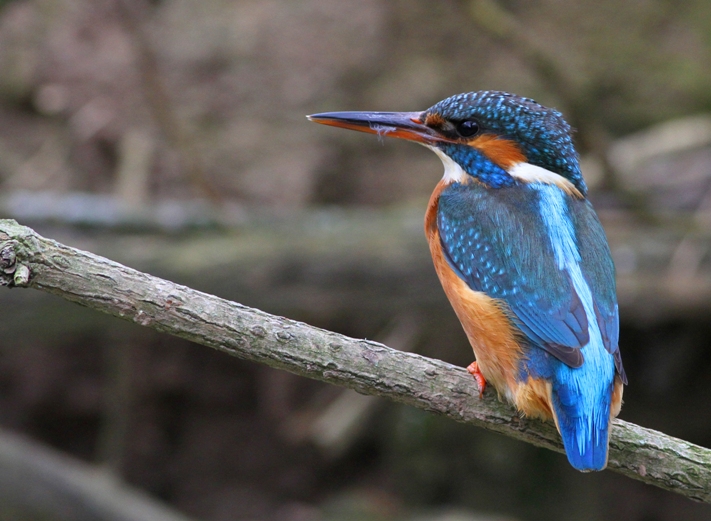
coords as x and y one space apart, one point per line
584 429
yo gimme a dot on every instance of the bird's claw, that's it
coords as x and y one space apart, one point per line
473 369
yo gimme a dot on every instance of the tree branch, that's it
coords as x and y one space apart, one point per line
27 259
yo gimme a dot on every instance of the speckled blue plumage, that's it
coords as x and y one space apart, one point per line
502 242
478 165
542 133
496 241
513 223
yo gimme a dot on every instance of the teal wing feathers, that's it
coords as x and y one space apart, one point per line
476 234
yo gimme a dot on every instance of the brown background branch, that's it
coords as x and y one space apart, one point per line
27 259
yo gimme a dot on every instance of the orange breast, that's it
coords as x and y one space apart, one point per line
490 332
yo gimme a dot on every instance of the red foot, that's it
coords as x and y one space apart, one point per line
480 380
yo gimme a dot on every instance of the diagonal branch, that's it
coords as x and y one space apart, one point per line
27 259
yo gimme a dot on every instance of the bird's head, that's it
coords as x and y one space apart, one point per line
496 138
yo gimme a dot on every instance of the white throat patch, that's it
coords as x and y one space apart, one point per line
453 173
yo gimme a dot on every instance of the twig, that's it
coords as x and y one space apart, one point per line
27 259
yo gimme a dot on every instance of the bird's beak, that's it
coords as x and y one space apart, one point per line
403 125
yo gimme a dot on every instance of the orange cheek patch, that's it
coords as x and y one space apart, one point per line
501 151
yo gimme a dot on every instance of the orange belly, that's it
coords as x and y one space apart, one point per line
493 337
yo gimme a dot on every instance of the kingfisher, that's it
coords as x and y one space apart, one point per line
522 258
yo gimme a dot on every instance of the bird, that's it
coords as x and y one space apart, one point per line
522 258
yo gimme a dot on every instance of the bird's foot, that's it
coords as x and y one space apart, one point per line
480 380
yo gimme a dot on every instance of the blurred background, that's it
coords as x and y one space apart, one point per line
169 135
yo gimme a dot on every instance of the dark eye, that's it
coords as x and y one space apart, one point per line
467 128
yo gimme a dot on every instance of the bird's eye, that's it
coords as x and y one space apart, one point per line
467 128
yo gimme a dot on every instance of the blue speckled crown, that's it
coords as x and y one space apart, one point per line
542 133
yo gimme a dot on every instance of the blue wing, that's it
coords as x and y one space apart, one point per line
596 264
497 243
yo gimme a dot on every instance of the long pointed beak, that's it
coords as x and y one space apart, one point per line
403 125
